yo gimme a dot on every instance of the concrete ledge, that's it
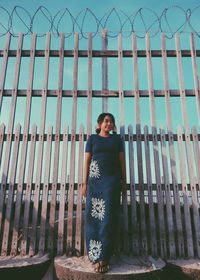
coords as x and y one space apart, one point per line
190 268
23 267
121 267
18 261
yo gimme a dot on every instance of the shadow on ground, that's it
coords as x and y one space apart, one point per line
25 273
170 272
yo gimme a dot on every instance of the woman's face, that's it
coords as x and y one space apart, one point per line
107 125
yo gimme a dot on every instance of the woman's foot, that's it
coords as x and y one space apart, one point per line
101 267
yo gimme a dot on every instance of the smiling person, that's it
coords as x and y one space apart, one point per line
104 178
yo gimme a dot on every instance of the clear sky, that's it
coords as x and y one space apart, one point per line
100 6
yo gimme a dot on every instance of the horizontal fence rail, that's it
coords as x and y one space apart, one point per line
100 53
98 93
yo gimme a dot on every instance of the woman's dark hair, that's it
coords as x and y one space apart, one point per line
101 118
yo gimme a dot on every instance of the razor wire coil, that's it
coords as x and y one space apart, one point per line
140 22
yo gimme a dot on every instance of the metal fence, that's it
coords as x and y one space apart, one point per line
44 213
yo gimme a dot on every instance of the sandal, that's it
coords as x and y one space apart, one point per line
101 267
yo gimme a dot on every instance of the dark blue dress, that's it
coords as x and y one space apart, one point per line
103 195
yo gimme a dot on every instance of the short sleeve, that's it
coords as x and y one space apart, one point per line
88 148
121 144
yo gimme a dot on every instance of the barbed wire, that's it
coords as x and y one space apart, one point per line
170 21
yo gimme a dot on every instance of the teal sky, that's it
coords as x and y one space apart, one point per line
100 6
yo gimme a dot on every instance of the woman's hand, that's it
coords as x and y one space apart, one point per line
123 186
84 189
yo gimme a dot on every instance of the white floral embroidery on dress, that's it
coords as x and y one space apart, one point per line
94 250
98 208
94 169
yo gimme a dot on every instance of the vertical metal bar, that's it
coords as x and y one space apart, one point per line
143 243
89 92
45 192
152 107
196 152
134 219
104 73
73 148
179 228
2 130
195 74
10 202
57 145
136 81
161 217
27 202
24 147
78 235
152 222
122 133
33 237
170 223
61 221
186 203
4 67
181 83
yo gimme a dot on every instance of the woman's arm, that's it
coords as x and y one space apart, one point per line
123 170
86 172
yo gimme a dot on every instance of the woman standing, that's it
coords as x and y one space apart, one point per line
104 173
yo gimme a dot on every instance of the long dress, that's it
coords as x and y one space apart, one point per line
103 195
